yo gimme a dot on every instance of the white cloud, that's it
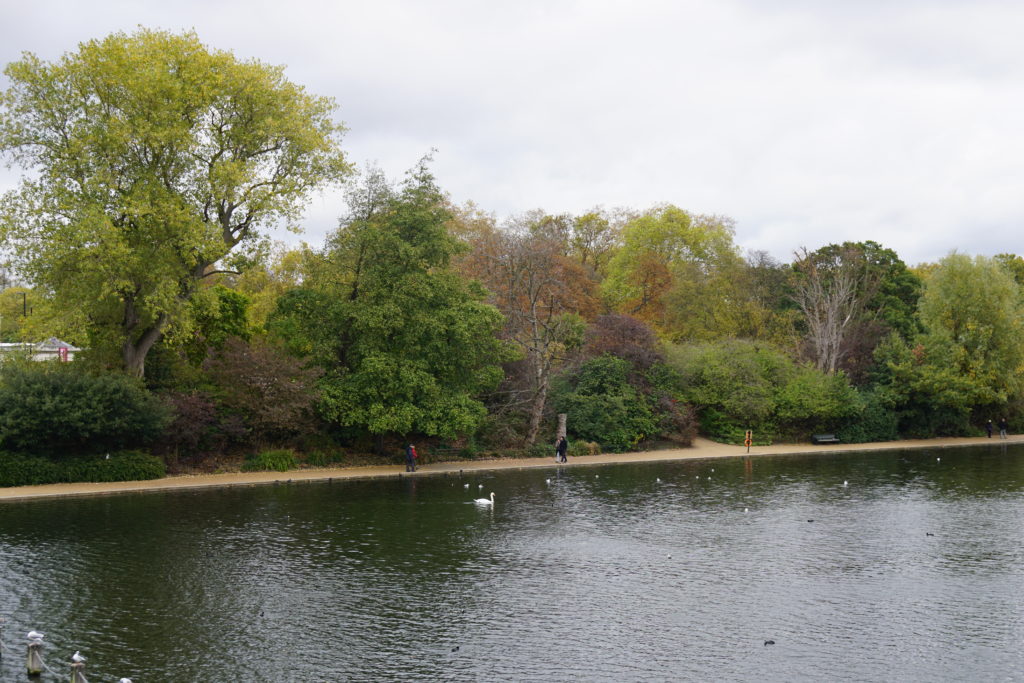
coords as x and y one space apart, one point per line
808 122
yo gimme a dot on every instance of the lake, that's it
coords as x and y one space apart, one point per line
913 570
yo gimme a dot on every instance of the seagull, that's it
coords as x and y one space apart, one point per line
938 459
35 635
547 481
658 479
485 501
465 486
712 469
597 476
745 510
845 483
480 486
125 680
77 658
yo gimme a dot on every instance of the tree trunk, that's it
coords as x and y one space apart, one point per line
133 354
537 411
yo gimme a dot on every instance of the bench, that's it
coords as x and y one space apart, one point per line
824 438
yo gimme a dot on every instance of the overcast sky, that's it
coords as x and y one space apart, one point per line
808 122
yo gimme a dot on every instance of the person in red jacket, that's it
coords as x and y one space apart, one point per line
410 458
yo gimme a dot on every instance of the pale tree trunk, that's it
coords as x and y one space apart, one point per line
539 403
829 308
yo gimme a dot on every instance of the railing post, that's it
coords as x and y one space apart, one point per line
34 659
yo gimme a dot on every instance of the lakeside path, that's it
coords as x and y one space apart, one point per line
701 449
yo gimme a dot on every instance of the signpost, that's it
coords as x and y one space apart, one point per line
749 439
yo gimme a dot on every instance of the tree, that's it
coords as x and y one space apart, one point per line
623 337
1014 264
405 343
605 407
270 391
974 305
544 296
851 296
594 236
152 159
671 271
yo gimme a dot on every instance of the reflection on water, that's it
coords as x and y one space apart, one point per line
911 572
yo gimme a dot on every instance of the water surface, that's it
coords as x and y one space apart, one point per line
605 573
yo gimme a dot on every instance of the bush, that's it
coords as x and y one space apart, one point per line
739 385
280 460
18 470
124 466
323 458
541 450
877 421
578 448
272 392
60 409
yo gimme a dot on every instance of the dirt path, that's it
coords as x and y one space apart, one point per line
702 448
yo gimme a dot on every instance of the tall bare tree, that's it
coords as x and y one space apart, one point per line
832 288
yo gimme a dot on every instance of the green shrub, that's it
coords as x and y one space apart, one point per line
279 460
877 421
603 406
540 450
580 447
56 409
737 385
324 458
124 466
17 470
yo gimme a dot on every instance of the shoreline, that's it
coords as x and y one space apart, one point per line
701 449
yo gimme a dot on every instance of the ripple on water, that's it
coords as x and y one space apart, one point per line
613 578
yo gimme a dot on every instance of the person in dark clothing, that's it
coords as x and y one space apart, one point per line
1003 426
410 458
561 449
988 428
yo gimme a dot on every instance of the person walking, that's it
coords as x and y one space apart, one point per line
1003 426
988 428
410 458
561 450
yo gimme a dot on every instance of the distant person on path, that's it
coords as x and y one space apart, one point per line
1003 426
561 449
988 428
410 458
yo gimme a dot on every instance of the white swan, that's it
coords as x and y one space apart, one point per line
485 501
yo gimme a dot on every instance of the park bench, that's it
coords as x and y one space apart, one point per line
824 438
